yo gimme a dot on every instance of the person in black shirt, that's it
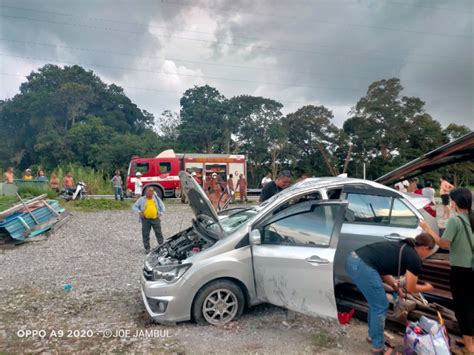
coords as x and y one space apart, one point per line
273 187
370 264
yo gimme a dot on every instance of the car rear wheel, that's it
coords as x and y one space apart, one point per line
218 303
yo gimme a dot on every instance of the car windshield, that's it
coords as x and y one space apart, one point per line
232 222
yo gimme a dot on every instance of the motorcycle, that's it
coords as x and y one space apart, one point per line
79 193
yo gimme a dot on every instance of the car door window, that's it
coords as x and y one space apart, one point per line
313 196
311 228
402 216
368 208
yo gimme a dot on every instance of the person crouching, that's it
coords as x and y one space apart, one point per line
373 264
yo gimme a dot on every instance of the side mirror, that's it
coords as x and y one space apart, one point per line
255 238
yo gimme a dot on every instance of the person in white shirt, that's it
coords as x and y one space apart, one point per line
402 185
266 179
138 185
428 191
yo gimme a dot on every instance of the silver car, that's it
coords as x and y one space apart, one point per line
289 251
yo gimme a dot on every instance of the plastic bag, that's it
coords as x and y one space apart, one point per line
434 341
400 311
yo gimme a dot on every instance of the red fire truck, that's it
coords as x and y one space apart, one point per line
161 172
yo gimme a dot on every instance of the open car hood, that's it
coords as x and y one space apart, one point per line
200 204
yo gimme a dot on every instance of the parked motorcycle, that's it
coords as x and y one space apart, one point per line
79 193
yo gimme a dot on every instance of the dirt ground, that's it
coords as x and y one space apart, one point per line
78 291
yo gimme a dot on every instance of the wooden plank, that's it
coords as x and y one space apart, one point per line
19 206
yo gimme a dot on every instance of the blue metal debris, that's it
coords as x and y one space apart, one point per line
21 225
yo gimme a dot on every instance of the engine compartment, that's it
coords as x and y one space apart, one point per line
180 247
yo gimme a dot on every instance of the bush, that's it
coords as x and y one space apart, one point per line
30 191
97 182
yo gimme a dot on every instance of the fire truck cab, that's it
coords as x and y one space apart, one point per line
162 172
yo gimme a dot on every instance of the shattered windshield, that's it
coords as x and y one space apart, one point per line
232 222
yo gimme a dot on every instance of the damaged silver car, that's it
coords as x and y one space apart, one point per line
289 251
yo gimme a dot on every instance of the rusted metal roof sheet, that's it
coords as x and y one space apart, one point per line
459 150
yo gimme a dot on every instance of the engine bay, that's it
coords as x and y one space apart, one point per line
180 247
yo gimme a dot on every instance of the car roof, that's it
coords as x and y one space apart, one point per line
320 182
311 184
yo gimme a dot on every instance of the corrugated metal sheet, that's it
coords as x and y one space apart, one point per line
19 224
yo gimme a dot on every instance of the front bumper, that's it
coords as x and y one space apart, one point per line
166 303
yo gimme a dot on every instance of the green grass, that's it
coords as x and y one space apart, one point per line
7 202
30 191
322 339
99 205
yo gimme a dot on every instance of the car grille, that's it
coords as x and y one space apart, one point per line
148 274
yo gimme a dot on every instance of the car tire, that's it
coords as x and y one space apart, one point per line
218 303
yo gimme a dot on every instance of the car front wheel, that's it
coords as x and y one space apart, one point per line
218 303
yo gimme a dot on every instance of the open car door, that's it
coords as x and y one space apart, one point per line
293 257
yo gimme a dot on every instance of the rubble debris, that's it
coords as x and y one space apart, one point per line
29 219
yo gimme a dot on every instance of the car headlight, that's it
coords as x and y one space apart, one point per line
170 273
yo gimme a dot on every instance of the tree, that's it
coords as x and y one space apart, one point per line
461 172
203 111
423 135
454 131
68 115
386 114
72 100
313 138
381 124
167 125
260 133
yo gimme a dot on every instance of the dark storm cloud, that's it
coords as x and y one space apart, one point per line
298 52
344 48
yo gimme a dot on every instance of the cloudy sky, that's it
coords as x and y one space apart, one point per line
295 51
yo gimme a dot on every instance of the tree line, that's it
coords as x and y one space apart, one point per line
65 115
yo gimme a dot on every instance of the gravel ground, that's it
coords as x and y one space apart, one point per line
100 254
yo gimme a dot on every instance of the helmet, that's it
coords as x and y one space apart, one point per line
138 173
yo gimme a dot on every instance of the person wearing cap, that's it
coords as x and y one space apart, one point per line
242 187
138 185
273 187
28 175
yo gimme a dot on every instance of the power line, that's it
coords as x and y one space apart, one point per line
357 2
312 73
323 21
191 31
289 85
369 57
159 90
182 74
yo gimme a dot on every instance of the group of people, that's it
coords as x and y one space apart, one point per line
414 186
215 187
54 182
372 265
